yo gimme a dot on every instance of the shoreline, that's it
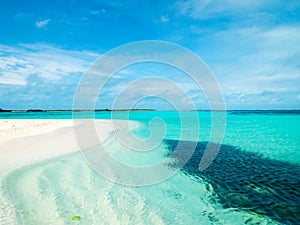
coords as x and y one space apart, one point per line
28 141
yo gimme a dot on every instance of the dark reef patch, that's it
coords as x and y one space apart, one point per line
246 180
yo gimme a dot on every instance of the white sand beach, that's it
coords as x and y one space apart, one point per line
26 141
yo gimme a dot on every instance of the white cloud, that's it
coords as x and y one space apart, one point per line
41 60
10 80
263 100
201 9
255 59
42 23
257 65
164 19
40 75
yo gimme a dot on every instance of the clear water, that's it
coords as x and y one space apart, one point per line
255 178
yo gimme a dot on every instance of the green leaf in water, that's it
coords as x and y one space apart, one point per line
75 217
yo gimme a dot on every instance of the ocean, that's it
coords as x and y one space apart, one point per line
254 178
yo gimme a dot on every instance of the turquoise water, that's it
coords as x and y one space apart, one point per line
255 178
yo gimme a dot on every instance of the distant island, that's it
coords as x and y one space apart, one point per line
4 110
230 111
77 110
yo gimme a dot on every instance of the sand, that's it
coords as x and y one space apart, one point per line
26 141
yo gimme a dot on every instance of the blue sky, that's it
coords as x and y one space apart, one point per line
252 47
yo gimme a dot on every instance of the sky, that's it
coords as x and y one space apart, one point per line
251 46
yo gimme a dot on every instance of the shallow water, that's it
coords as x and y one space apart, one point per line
253 180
